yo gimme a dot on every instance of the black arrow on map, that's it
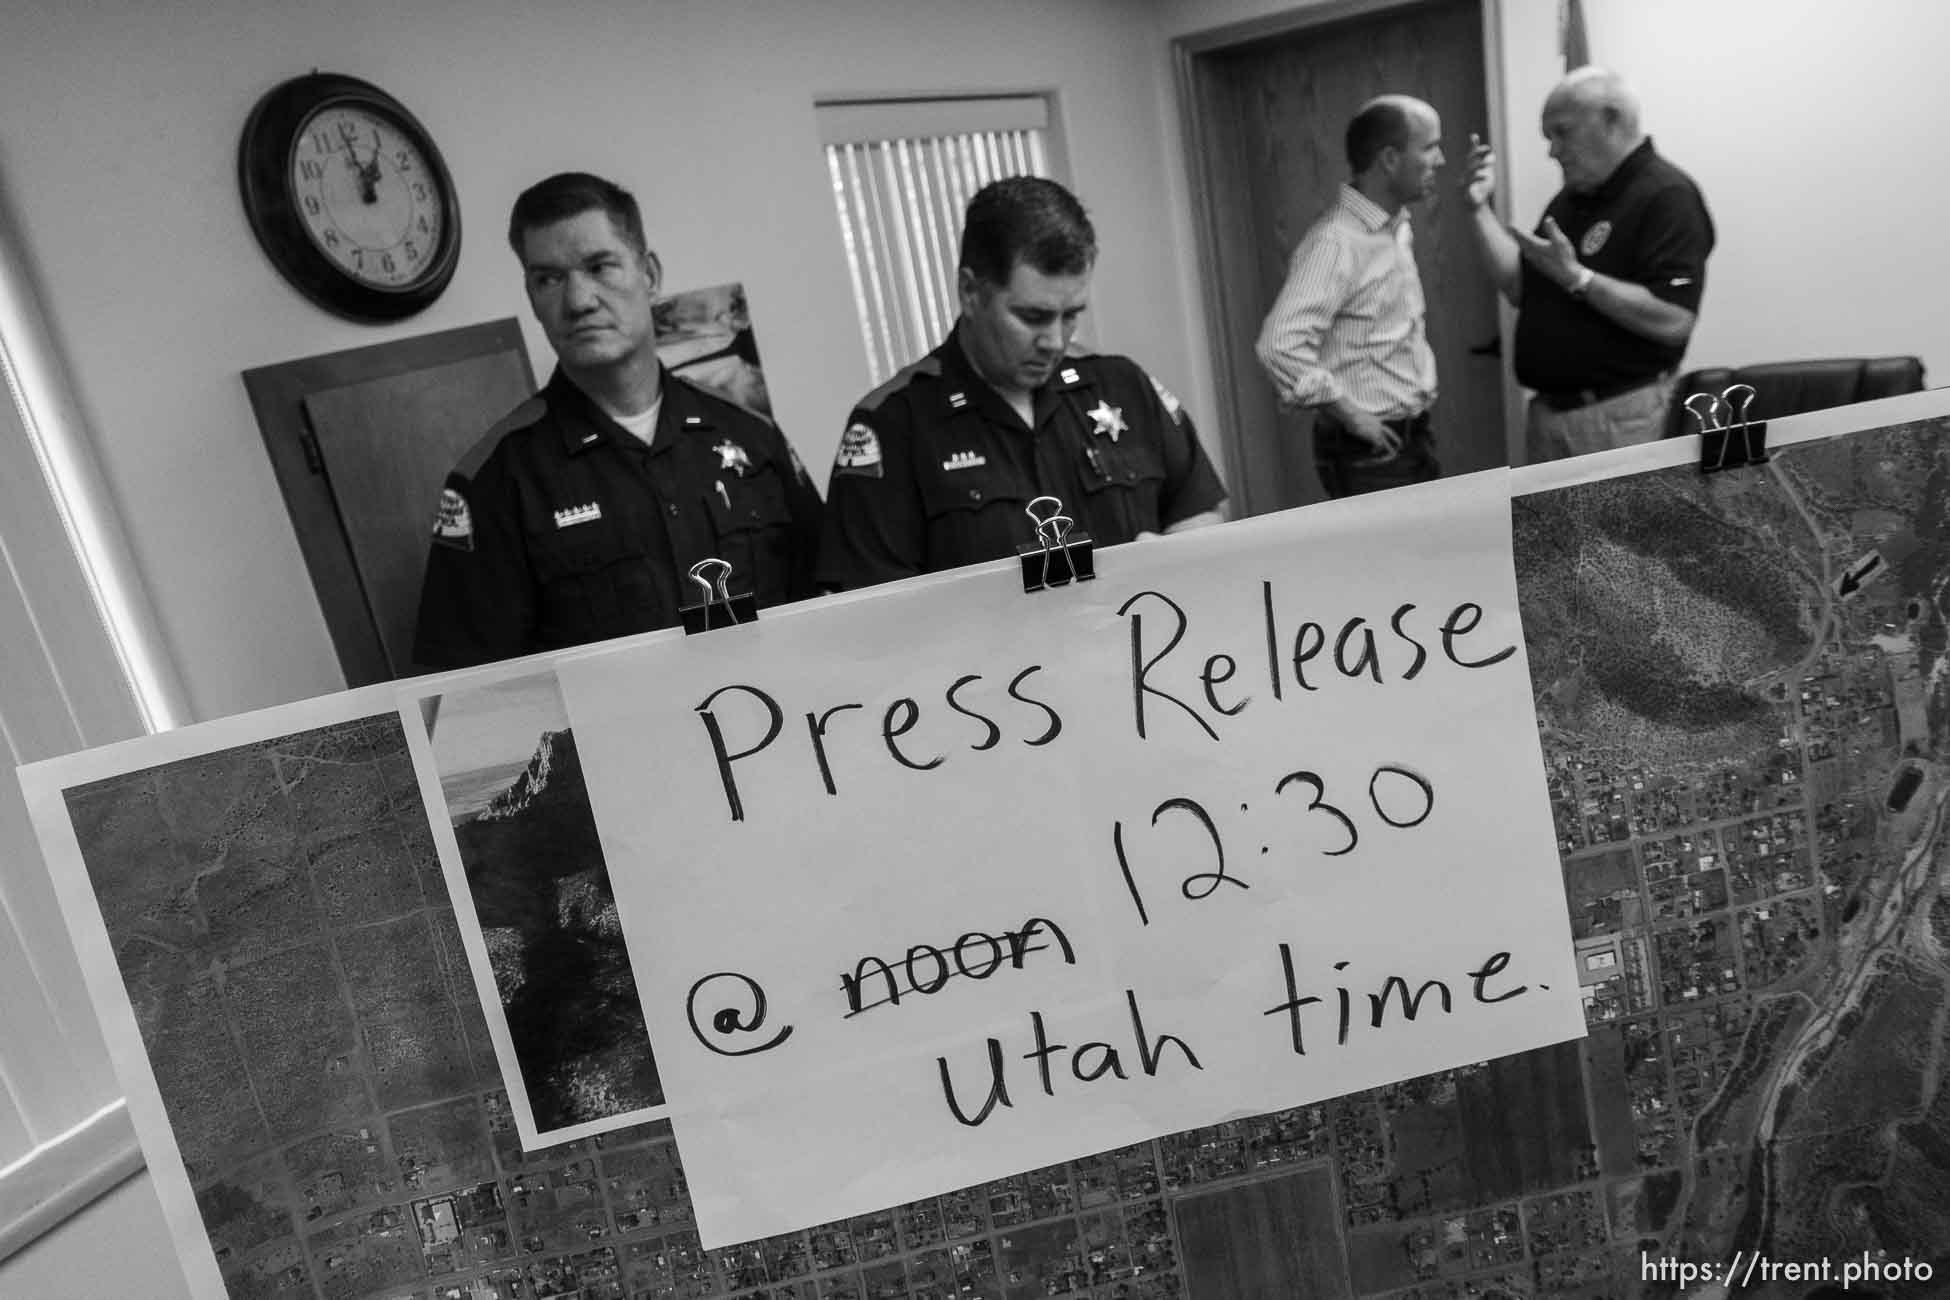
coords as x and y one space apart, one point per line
1858 576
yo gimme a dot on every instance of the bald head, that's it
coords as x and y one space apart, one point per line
1593 89
1591 119
1386 121
1394 148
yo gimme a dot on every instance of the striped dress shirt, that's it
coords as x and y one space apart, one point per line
1349 319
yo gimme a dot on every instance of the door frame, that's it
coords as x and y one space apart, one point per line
1209 155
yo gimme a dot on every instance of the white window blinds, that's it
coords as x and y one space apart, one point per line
902 174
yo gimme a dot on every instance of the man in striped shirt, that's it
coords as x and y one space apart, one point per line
1346 336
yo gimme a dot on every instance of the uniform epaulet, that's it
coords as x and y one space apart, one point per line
513 422
928 365
715 400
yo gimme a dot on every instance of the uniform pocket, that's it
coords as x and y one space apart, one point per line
751 521
594 583
953 492
1123 484
973 515
742 503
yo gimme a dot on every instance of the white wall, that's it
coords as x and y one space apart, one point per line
118 132
1808 125
1813 130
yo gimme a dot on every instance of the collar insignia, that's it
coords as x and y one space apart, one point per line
1068 375
957 400
1107 421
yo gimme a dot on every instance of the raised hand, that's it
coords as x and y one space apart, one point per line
1479 172
1552 254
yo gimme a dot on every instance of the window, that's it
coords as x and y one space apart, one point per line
74 671
902 173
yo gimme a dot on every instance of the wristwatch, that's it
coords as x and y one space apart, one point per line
1581 282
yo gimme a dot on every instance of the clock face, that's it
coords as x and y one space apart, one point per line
349 197
366 195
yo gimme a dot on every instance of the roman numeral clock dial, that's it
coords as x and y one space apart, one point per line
349 197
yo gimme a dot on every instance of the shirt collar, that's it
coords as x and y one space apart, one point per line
587 424
1629 166
963 388
1366 211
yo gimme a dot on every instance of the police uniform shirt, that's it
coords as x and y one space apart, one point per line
561 528
1648 225
935 468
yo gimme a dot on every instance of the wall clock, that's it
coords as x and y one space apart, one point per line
349 197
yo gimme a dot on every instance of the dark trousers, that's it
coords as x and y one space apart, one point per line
1348 466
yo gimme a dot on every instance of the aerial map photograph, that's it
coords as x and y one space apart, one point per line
1743 703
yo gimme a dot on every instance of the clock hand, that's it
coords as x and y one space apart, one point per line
368 171
377 147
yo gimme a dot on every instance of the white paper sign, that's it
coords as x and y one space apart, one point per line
935 887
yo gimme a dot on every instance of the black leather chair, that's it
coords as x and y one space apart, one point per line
1784 388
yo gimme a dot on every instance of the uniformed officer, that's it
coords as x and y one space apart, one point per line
936 466
579 515
1608 288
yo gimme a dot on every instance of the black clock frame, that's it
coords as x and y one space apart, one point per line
263 174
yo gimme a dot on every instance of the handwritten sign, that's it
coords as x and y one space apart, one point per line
949 882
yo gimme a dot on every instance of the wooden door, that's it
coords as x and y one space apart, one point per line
1271 114
361 442
388 445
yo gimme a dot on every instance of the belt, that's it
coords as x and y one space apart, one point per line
1570 399
1402 424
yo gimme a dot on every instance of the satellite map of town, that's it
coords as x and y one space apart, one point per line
1741 686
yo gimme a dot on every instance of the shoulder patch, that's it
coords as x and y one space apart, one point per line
927 366
453 522
531 410
859 454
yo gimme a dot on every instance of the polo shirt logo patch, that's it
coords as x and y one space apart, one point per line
859 452
1594 239
453 522
573 515
964 460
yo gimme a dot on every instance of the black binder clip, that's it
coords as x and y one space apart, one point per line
1057 556
730 609
1728 439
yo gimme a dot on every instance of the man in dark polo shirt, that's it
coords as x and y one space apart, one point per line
1608 288
937 465
579 515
